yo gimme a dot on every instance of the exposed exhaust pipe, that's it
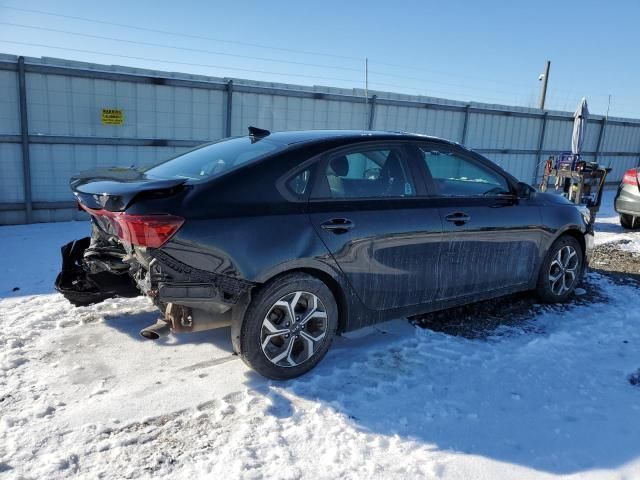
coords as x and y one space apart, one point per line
157 330
179 319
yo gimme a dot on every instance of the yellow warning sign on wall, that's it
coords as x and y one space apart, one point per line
112 116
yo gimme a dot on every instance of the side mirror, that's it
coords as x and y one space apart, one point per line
524 190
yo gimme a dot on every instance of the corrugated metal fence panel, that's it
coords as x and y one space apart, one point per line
60 215
591 136
519 165
60 105
11 184
618 165
279 112
501 131
439 123
13 217
9 104
621 138
55 164
558 135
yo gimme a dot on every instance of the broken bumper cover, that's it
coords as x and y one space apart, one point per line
81 287
183 284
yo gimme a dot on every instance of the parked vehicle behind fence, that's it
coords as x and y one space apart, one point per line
627 201
291 238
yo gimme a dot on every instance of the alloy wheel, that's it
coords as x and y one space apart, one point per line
293 329
563 270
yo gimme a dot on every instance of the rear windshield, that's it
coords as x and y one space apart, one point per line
214 159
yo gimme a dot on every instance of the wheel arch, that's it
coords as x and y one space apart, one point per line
317 269
338 294
570 230
329 279
575 232
578 235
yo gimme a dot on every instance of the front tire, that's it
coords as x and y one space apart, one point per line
629 221
560 270
288 327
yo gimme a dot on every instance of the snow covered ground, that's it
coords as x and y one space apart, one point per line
83 396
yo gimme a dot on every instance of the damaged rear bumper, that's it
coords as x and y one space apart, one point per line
190 299
85 281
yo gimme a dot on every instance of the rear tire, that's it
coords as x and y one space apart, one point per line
288 326
629 221
560 271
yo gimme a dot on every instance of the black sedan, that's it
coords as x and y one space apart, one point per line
291 238
627 201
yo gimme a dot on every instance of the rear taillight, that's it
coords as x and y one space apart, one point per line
148 230
631 177
143 230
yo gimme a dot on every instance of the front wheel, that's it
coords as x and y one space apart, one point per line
288 327
560 271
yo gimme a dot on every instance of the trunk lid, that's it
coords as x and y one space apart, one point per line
115 188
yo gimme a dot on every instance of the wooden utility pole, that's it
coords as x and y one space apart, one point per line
545 82
366 91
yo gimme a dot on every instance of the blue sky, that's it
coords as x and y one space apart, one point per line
490 51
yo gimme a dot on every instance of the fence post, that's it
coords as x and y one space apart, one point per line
600 137
465 125
538 160
24 134
372 111
229 106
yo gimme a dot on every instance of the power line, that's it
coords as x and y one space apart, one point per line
253 45
212 52
178 34
133 57
186 49
405 87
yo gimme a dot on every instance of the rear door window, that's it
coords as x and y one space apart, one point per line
299 183
367 173
456 176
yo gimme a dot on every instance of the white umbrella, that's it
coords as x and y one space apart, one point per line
579 126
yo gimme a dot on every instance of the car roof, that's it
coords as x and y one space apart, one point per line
305 136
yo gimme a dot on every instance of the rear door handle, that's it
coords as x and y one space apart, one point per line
337 225
458 218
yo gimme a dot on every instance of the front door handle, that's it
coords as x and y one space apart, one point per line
458 218
338 225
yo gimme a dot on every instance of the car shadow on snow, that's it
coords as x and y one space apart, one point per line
481 385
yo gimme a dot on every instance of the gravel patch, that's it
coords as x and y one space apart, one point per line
485 319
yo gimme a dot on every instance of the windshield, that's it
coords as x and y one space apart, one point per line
214 159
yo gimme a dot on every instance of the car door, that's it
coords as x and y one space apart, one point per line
374 219
493 237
